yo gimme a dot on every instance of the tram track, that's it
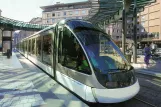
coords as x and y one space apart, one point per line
149 90
145 102
151 81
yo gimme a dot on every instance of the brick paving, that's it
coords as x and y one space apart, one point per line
24 85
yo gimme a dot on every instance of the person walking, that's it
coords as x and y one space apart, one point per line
147 53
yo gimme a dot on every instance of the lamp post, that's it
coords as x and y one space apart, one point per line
135 33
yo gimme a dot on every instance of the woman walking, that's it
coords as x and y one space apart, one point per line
147 53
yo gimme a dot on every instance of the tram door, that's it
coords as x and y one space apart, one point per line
53 50
69 57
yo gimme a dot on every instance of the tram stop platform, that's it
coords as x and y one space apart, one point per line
154 68
22 84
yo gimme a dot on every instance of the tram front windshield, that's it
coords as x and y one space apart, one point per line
103 53
110 66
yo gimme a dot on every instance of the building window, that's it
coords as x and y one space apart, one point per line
65 7
48 15
53 14
113 30
138 29
128 26
70 13
48 20
83 12
80 17
143 18
70 7
142 30
132 31
142 23
76 12
53 20
65 13
127 32
58 14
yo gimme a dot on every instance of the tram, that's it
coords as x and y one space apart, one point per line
83 59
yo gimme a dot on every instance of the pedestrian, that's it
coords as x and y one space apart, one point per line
147 53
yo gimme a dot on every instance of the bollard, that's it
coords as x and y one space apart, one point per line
8 53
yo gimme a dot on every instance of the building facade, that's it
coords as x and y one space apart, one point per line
37 20
148 26
53 13
150 22
115 30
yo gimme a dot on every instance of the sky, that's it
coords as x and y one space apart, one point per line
25 10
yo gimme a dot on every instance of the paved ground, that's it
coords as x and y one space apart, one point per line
27 86
154 69
24 85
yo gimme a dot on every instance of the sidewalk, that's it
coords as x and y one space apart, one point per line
154 69
22 84
11 63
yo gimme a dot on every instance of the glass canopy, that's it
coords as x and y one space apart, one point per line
15 24
107 11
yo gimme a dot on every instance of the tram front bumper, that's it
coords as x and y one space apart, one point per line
116 95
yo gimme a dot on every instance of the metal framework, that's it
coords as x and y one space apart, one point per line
111 10
20 25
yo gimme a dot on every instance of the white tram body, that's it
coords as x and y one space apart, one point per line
84 59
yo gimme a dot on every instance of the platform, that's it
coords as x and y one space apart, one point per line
22 84
154 68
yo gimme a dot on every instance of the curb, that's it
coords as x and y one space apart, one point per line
147 72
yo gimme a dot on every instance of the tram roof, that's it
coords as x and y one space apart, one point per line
15 24
107 11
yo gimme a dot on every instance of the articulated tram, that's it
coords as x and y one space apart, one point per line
84 59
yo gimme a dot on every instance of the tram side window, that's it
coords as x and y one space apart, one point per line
33 47
26 45
29 47
38 48
23 45
71 54
47 55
